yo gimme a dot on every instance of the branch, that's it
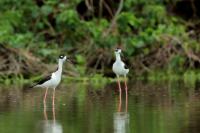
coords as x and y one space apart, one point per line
108 9
100 8
113 22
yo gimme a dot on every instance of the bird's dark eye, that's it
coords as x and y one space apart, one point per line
61 56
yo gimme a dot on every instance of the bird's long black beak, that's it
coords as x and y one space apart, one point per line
69 61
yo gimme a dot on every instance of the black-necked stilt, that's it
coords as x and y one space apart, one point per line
53 79
120 70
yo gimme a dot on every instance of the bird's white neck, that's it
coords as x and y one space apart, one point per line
60 64
118 58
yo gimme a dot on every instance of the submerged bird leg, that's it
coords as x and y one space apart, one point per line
53 98
126 88
120 94
45 96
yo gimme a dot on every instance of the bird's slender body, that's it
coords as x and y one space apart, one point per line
53 80
120 70
119 66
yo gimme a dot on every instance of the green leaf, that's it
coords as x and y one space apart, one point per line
46 10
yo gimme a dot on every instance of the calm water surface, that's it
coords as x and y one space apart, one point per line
151 108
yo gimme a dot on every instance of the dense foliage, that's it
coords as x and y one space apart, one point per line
150 34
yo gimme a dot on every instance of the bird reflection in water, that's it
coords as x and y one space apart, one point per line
121 118
51 126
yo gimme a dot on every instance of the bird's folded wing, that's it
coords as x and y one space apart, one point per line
41 81
125 66
44 80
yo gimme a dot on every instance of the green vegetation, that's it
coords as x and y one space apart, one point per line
150 34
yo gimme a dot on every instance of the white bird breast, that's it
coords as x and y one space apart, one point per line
56 79
118 68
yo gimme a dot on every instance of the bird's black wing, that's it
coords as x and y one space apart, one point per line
41 81
123 59
44 80
125 66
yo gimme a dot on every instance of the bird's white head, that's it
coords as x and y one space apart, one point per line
118 51
62 58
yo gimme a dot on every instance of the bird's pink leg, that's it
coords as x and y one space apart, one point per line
45 96
53 98
120 95
53 105
44 102
126 88
54 115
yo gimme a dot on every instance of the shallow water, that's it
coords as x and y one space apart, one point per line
151 108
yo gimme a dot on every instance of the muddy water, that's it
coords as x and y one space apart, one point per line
151 108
